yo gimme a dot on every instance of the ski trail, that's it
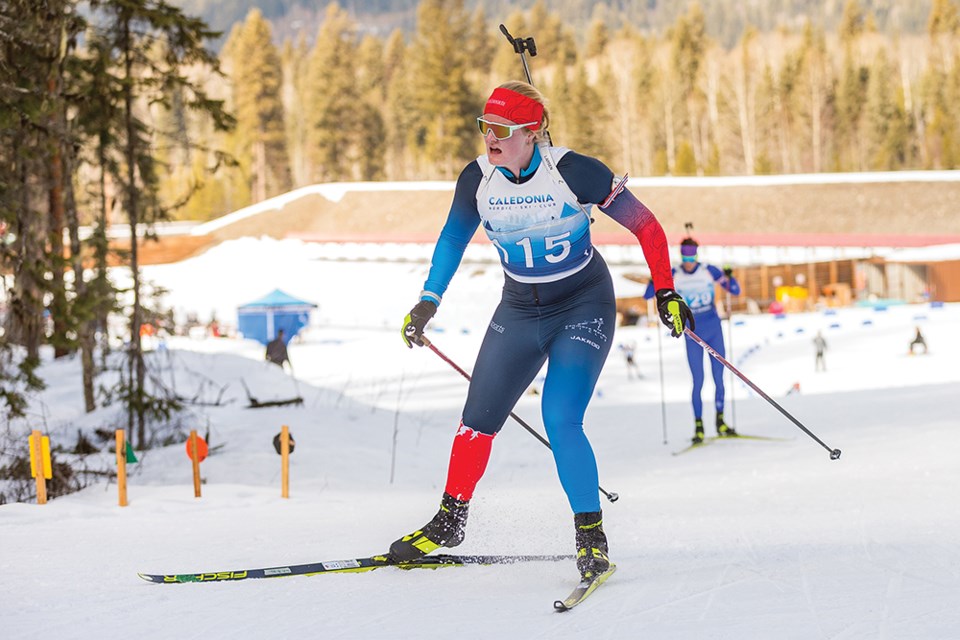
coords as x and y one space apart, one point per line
709 591
893 592
808 592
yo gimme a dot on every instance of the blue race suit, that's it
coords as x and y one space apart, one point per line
558 303
698 291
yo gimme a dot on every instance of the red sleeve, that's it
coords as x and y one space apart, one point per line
636 217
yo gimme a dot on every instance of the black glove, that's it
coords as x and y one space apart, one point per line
728 271
674 312
415 321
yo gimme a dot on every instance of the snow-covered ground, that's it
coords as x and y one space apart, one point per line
745 539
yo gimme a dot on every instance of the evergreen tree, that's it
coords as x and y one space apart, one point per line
370 68
583 126
788 104
370 158
371 154
605 108
96 123
886 121
394 53
151 44
562 123
767 122
744 87
939 124
62 39
555 43
686 162
852 90
83 305
639 90
598 37
31 138
294 59
688 44
441 95
816 79
257 80
943 20
332 98
483 41
852 23
32 179
399 113
92 111
851 97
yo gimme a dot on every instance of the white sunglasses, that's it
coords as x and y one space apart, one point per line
500 131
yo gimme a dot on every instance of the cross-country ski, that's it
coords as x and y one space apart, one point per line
739 436
583 590
352 565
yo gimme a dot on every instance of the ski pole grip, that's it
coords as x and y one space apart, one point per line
510 38
520 44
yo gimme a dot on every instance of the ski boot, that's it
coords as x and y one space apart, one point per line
445 530
723 429
592 557
698 432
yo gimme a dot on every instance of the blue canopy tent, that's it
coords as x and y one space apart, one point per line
261 319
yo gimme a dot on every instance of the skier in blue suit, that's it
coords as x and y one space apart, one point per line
696 283
533 201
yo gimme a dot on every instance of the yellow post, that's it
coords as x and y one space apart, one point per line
285 462
194 453
37 466
121 468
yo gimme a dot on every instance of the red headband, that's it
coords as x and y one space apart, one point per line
514 106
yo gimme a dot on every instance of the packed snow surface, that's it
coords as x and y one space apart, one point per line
751 540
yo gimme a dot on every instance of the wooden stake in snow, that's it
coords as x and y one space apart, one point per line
40 467
121 468
197 450
285 461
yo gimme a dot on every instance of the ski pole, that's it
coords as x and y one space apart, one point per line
612 496
834 453
733 400
663 396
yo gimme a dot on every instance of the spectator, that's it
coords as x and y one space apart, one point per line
277 350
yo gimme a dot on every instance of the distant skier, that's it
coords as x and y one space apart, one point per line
629 350
695 282
820 345
918 341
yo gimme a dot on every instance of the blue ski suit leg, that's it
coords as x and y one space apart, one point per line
709 329
570 324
